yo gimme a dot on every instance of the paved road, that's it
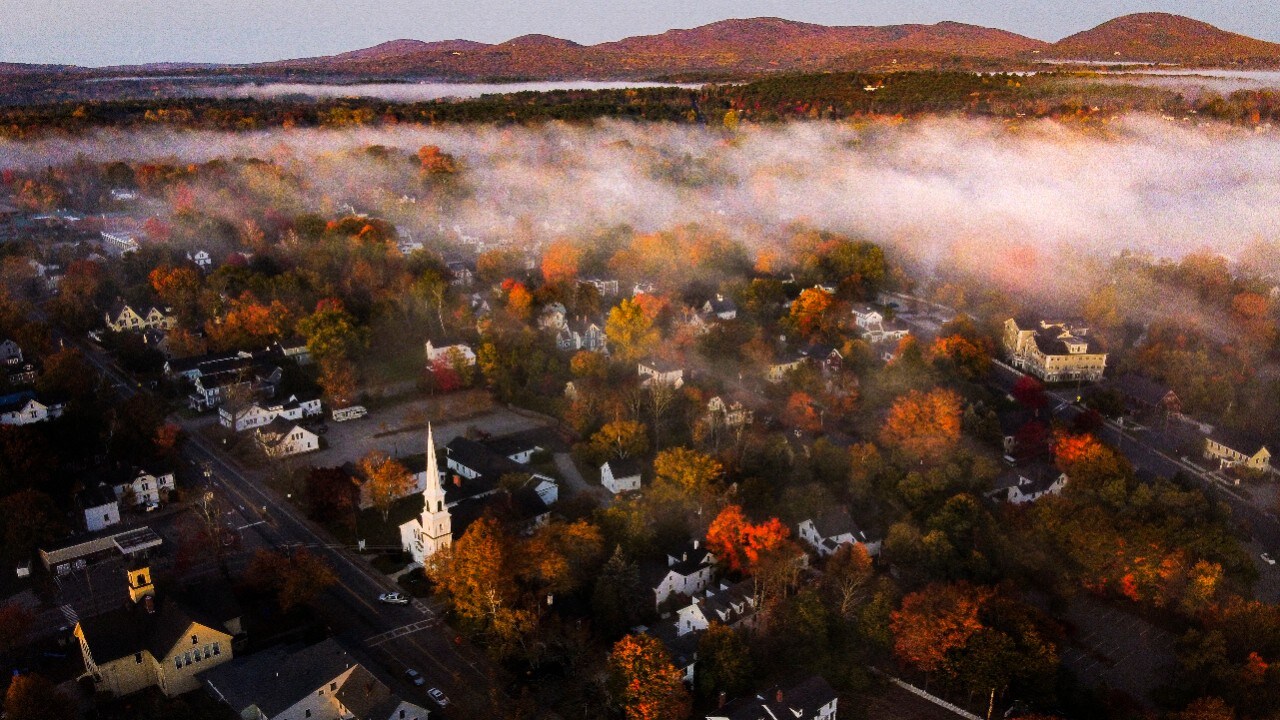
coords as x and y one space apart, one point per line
394 638
1261 522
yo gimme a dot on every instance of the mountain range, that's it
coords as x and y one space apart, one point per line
753 46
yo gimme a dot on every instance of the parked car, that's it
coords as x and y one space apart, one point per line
394 598
415 677
438 696
1266 558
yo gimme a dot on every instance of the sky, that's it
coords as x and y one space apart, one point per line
113 32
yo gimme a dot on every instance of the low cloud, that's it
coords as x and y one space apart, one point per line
934 190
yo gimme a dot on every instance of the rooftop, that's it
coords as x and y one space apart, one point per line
277 678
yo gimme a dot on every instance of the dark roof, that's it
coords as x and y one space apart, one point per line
212 361
722 304
835 521
277 678
626 467
1238 440
475 456
131 629
95 496
366 697
686 559
682 648
798 702
660 365
1140 388
511 445
1031 480
1047 340
16 401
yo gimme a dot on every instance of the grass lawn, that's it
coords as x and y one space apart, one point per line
416 583
380 533
392 367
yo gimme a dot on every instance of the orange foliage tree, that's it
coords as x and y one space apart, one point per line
739 543
801 413
934 621
178 287
248 323
560 262
519 299
924 425
432 161
646 684
810 309
970 357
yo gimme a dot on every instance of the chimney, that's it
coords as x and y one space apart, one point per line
685 557
149 602
697 544
721 699
778 697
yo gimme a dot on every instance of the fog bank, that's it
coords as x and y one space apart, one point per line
932 189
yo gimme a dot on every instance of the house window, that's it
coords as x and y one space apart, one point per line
195 639
320 692
308 713
333 686
216 650
177 663
137 657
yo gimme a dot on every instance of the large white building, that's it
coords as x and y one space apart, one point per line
423 536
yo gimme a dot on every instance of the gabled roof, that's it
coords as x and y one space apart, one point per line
477 457
1141 388
1030 481
626 467
16 401
798 702
834 522
94 497
131 629
277 678
366 697
1240 441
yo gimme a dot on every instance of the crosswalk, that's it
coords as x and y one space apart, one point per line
399 632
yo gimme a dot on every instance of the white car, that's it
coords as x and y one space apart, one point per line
438 696
415 677
394 598
1266 558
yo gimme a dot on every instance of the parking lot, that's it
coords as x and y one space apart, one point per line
400 429
1114 648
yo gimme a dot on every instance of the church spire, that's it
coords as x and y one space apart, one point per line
433 491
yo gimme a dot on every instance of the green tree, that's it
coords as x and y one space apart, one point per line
724 663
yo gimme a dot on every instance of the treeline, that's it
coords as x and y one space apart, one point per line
784 97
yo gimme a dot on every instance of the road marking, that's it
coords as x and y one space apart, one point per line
409 629
260 522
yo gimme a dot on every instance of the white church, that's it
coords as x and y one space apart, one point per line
422 537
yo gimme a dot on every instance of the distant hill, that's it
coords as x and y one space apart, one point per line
752 47
1161 37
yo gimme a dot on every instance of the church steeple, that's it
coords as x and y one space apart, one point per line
436 524
433 492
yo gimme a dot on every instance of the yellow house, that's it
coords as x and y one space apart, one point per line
1236 451
1054 352
156 643
122 317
